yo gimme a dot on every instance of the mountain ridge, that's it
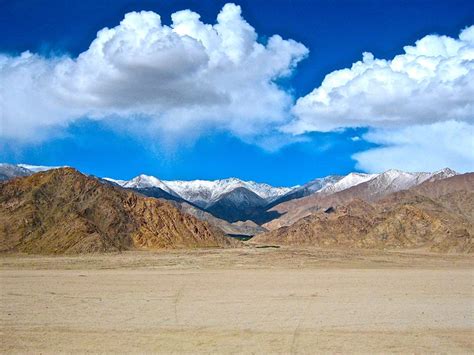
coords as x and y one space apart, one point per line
275 206
202 192
435 216
377 187
64 211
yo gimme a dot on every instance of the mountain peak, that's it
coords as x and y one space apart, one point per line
74 220
446 171
347 181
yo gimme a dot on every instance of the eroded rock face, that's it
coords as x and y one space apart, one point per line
64 211
443 222
432 185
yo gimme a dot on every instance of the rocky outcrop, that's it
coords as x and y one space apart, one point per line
407 219
64 211
373 190
240 228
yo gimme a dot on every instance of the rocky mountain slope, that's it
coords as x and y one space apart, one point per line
435 216
64 211
10 171
306 190
38 168
229 199
157 192
239 204
246 228
373 188
240 228
236 200
346 182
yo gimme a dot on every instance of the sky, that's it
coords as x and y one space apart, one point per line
279 92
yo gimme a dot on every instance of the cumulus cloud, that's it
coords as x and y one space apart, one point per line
432 81
188 76
418 106
420 148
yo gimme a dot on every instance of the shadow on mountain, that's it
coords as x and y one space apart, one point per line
242 204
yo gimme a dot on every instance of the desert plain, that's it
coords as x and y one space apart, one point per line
242 300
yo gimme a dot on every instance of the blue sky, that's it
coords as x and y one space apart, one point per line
335 33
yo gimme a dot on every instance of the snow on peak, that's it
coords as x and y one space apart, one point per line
116 181
145 181
443 174
389 181
395 180
322 183
203 192
347 182
38 168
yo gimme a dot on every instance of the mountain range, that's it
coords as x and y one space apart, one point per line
365 187
246 208
436 215
203 193
236 200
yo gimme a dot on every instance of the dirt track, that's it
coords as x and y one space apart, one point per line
243 300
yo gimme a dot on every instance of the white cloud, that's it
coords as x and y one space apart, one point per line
420 148
419 106
188 76
432 81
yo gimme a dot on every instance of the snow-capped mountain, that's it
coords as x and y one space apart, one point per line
369 186
237 200
239 204
38 168
346 182
379 186
395 180
389 181
115 181
307 189
147 181
320 183
202 192
9 171
442 174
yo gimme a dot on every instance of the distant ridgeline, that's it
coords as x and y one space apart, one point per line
394 209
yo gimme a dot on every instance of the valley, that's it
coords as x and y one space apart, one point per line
364 264
240 300
245 177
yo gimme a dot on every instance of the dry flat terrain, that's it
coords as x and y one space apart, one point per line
246 300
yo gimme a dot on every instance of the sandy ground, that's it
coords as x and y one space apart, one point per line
244 300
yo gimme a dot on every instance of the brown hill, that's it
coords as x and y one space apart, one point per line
64 211
402 220
368 191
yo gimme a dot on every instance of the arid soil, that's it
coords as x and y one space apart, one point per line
245 300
